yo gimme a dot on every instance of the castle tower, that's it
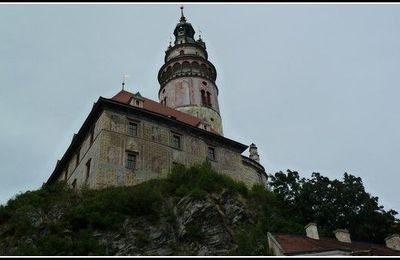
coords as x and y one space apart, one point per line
187 78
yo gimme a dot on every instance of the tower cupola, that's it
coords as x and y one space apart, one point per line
184 32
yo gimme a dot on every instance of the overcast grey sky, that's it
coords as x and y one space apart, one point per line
315 87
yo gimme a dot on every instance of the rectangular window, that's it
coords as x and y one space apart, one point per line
176 141
132 128
154 133
77 158
87 170
74 184
209 99
131 161
211 153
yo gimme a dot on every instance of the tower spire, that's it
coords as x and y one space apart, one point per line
183 19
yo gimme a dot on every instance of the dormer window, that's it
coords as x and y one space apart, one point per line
137 102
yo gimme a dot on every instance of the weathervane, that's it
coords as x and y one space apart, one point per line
124 77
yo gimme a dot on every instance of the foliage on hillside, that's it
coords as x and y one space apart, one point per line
334 204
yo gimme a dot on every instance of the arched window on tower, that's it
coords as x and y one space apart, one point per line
168 72
176 67
194 67
165 101
208 99
203 97
186 67
203 69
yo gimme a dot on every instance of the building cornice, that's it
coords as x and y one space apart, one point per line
179 46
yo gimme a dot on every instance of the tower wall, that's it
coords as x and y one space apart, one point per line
185 91
208 115
187 50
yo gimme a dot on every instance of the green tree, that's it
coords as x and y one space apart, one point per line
334 204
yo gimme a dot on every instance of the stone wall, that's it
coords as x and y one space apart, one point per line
88 151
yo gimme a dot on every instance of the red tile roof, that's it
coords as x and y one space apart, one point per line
153 106
296 244
125 96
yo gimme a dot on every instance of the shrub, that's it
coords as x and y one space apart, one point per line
251 240
182 181
106 208
182 191
198 193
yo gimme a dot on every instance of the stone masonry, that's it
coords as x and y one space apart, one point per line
155 154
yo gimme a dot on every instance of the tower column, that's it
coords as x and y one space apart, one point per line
187 78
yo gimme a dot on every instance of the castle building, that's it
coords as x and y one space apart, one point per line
129 139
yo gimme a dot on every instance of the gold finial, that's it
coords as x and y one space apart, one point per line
183 19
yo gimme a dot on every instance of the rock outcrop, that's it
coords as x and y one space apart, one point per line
192 225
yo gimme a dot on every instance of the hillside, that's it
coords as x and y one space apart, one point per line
192 212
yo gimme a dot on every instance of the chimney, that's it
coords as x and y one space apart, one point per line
312 231
342 235
393 242
254 153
